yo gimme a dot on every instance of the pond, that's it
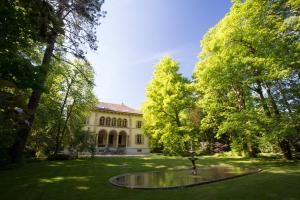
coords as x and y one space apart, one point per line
179 178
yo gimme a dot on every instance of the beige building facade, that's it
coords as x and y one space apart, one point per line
118 129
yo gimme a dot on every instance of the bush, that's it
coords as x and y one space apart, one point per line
207 148
60 157
219 147
4 157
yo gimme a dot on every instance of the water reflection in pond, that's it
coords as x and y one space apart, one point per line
178 178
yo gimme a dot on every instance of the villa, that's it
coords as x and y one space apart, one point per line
118 129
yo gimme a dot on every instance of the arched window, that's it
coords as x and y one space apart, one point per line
124 122
102 135
122 139
114 122
119 123
101 121
107 122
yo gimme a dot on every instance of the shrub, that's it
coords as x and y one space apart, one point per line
207 148
59 157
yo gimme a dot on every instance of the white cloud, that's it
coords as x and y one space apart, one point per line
156 57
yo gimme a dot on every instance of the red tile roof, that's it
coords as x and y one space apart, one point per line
117 108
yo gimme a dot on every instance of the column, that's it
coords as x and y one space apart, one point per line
128 141
117 140
130 130
97 135
107 135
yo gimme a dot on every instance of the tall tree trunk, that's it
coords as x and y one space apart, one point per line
250 151
285 99
272 101
283 143
63 132
23 131
286 149
262 98
239 92
177 119
59 133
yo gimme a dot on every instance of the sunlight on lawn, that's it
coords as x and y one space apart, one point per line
59 179
88 179
284 171
56 164
245 161
82 187
149 164
160 166
111 165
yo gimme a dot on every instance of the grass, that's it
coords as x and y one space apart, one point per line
88 179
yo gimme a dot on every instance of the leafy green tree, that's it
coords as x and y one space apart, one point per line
247 74
81 141
64 108
52 27
17 73
166 107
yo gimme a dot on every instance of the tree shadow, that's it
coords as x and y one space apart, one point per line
88 179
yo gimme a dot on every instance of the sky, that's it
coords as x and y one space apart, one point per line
136 34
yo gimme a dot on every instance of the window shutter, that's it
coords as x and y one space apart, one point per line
142 138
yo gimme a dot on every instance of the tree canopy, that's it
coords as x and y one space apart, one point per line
166 107
35 36
248 74
245 87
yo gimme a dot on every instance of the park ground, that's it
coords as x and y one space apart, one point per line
87 178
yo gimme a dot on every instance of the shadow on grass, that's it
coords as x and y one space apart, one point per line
88 179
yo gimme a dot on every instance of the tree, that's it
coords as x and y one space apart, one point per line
17 72
165 110
247 74
64 108
82 140
71 24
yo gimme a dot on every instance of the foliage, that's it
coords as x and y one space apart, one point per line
64 108
17 73
32 33
82 141
59 157
207 148
248 77
166 108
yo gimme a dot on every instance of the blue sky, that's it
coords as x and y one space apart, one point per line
136 34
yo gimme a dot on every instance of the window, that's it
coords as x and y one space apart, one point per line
119 123
124 122
101 121
102 138
139 139
87 121
113 122
107 122
138 124
111 140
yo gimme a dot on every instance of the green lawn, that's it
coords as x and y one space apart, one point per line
88 179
